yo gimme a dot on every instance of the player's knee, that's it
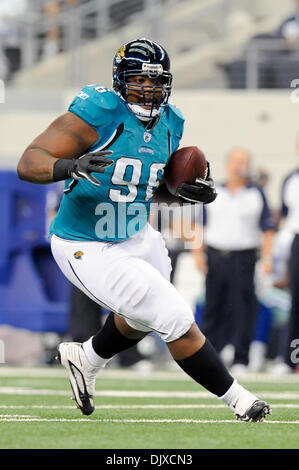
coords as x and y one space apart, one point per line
180 324
126 330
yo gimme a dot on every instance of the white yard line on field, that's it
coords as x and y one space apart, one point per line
16 416
86 420
133 407
286 395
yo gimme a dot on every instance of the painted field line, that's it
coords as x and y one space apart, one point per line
134 421
287 395
17 416
135 407
177 375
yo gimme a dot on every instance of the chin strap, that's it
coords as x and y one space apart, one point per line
141 113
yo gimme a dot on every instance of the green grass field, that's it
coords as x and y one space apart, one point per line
160 410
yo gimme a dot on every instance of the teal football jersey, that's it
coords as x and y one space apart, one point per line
119 207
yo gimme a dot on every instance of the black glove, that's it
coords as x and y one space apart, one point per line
82 167
203 190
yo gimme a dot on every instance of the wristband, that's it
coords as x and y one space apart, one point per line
62 169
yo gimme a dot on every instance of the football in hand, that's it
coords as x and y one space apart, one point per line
184 166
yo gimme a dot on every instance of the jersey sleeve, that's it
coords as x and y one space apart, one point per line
93 104
176 128
176 138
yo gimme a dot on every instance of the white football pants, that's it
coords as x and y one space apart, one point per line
131 278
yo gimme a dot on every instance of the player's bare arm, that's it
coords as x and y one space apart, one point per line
66 138
266 254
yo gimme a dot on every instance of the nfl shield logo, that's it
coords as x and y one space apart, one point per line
147 137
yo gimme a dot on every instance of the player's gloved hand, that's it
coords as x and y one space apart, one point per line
203 190
82 167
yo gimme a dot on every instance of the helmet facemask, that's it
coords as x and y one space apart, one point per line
150 98
142 58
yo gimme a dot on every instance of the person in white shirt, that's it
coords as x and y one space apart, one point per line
236 227
290 214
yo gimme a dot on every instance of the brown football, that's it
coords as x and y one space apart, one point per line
185 165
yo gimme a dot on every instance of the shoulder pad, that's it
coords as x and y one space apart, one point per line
175 122
101 96
93 103
176 111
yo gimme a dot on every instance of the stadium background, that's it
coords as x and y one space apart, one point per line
228 99
53 52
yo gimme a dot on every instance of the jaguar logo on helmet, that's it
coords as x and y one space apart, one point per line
121 52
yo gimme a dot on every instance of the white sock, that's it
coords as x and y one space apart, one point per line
232 393
92 357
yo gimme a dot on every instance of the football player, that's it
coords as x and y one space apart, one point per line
111 148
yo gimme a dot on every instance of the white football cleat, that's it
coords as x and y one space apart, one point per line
247 407
82 374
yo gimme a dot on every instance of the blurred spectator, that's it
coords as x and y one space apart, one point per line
261 178
289 30
52 33
273 292
236 226
276 65
10 35
4 64
51 44
85 316
290 213
120 11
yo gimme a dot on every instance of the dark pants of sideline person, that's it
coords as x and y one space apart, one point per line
230 311
85 316
293 359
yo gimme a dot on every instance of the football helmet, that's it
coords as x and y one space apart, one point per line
142 57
